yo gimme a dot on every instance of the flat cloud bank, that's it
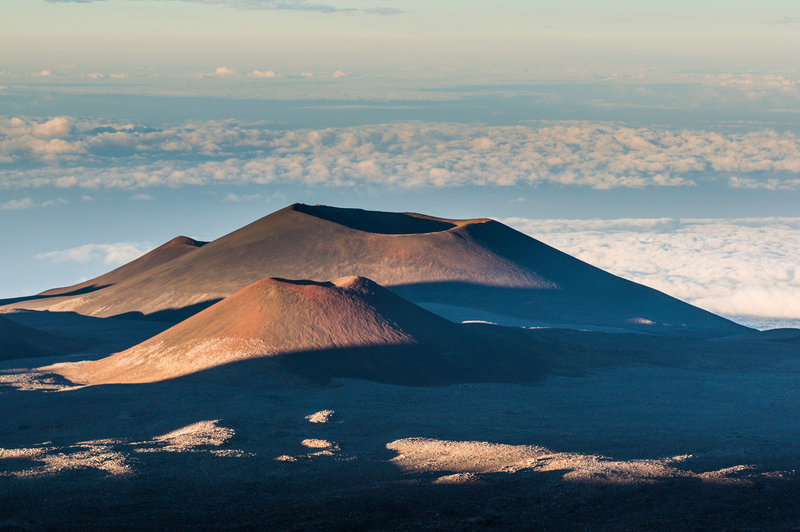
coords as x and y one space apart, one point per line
69 152
745 268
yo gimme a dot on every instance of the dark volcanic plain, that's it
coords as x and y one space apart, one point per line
299 374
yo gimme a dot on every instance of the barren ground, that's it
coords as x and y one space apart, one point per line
671 435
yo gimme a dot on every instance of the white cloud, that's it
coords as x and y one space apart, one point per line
732 267
142 197
50 203
588 154
235 198
95 75
224 71
260 74
16 205
43 73
28 203
119 76
747 81
339 74
307 74
57 127
111 254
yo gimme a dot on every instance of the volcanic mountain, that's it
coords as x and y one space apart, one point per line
475 269
350 327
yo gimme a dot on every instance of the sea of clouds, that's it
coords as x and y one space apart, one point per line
745 269
69 152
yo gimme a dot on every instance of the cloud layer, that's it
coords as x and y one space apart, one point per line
741 267
29 203
66 152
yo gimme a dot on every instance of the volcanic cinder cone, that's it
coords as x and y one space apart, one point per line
20 341
325 324
472 269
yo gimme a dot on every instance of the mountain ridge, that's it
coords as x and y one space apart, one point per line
475 264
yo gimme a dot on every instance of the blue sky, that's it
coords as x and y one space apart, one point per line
125 123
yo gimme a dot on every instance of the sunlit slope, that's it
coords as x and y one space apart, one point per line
477 264
173 249
350 327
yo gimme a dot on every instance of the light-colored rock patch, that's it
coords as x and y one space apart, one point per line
316 444
323 416
26 380
459 478
85 455
418 455
190 437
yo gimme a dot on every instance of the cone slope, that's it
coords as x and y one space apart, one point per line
474 266
274 317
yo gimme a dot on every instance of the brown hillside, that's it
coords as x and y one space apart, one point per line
335 328
473 266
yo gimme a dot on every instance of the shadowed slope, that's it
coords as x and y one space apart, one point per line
324 323
470 265
19 341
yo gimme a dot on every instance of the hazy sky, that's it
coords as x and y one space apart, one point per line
395 33
124 123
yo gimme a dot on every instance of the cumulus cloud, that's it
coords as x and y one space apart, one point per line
260 74
43 73
119 76
95 75
307 74
224 71
45 139
737 267
111 254
339 74
17 204
28 203
60 201
236 198
94 154
142 197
